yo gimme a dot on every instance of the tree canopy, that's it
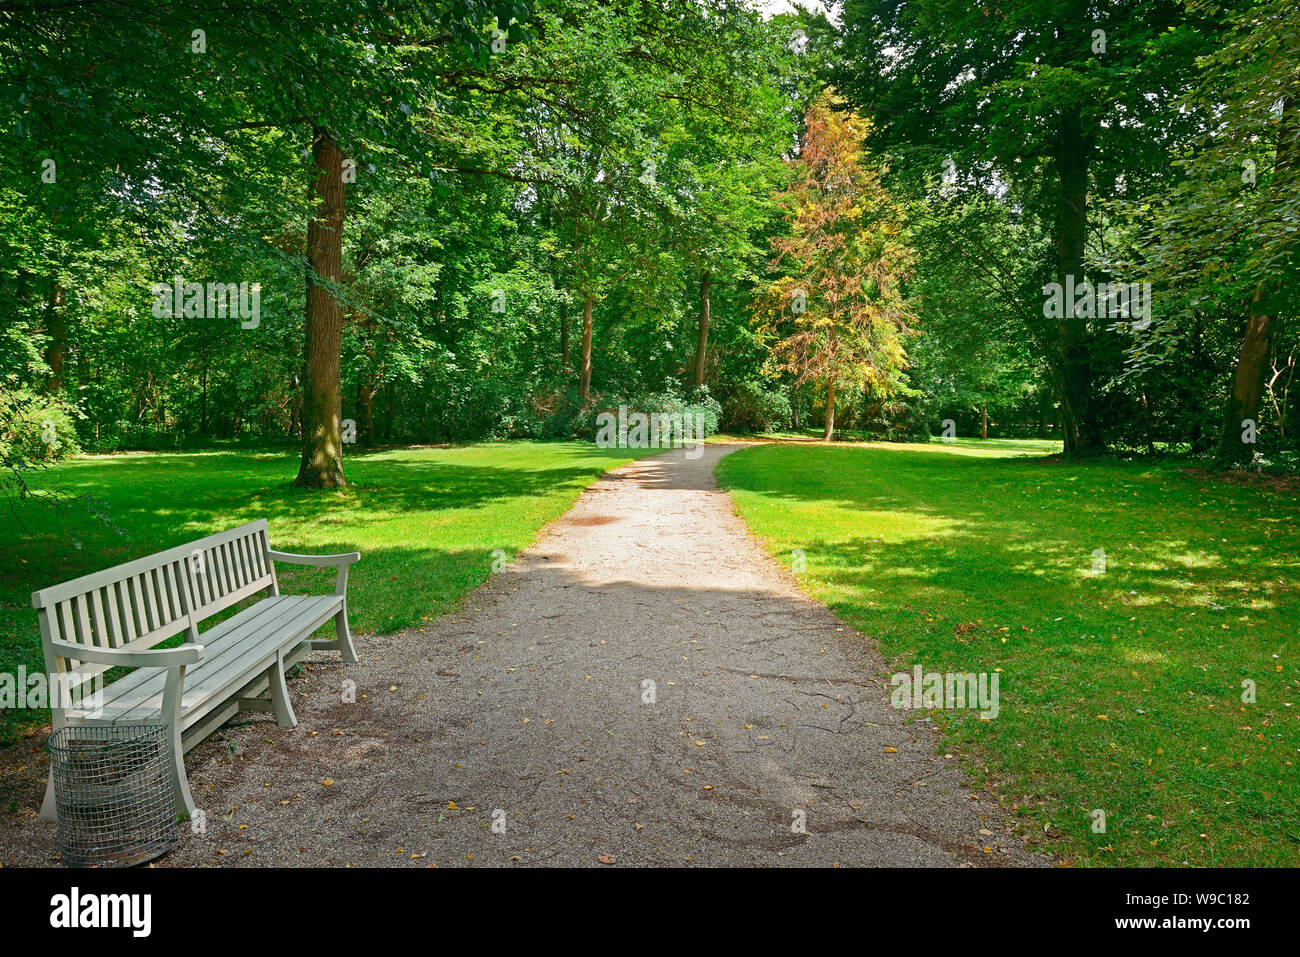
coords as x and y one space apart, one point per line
412 222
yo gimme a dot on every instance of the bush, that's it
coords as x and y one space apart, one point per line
35 429
751 408
698 404
899 417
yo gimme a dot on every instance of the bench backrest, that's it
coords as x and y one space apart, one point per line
136 605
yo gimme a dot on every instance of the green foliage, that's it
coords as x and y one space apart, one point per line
755 407
487 170
671 399
625 152
34 430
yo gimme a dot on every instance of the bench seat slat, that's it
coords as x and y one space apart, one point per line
230 660
237 662
247 620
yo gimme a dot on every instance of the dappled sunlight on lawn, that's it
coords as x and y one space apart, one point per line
1123 604
425 520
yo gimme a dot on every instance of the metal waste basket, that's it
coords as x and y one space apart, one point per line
114 794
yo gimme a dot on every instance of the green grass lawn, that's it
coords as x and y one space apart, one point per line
1121 690
425 520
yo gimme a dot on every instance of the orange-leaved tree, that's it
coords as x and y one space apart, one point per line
836 313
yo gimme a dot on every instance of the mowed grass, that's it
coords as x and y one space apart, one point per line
1122 690
426 521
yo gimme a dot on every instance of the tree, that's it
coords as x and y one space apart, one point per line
975 291
1065 98
1261 64
838 312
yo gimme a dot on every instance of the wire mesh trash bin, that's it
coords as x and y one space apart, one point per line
114 794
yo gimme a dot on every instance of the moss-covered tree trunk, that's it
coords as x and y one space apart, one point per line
1247 392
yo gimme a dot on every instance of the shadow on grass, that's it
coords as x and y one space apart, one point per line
426 526
976 564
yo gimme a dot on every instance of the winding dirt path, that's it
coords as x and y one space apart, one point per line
533 700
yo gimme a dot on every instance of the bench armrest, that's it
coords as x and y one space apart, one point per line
151 658
340 561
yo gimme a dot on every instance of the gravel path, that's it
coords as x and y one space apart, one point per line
532 700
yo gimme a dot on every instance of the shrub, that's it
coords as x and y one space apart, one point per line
35 429
670 401
752 407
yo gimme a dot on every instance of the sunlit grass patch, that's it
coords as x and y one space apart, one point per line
425 520
1122 685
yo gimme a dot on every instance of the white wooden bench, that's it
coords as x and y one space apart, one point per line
115 617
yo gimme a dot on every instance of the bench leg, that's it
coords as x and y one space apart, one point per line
284 715
171 714
346 648
49 808
180 780
47 805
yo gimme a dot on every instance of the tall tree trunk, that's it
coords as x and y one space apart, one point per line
366 390
830 411
388 413
1074 380
584 387
322 387
295 407
702 338
1247 392
564 335
367 379
984 422
56 327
